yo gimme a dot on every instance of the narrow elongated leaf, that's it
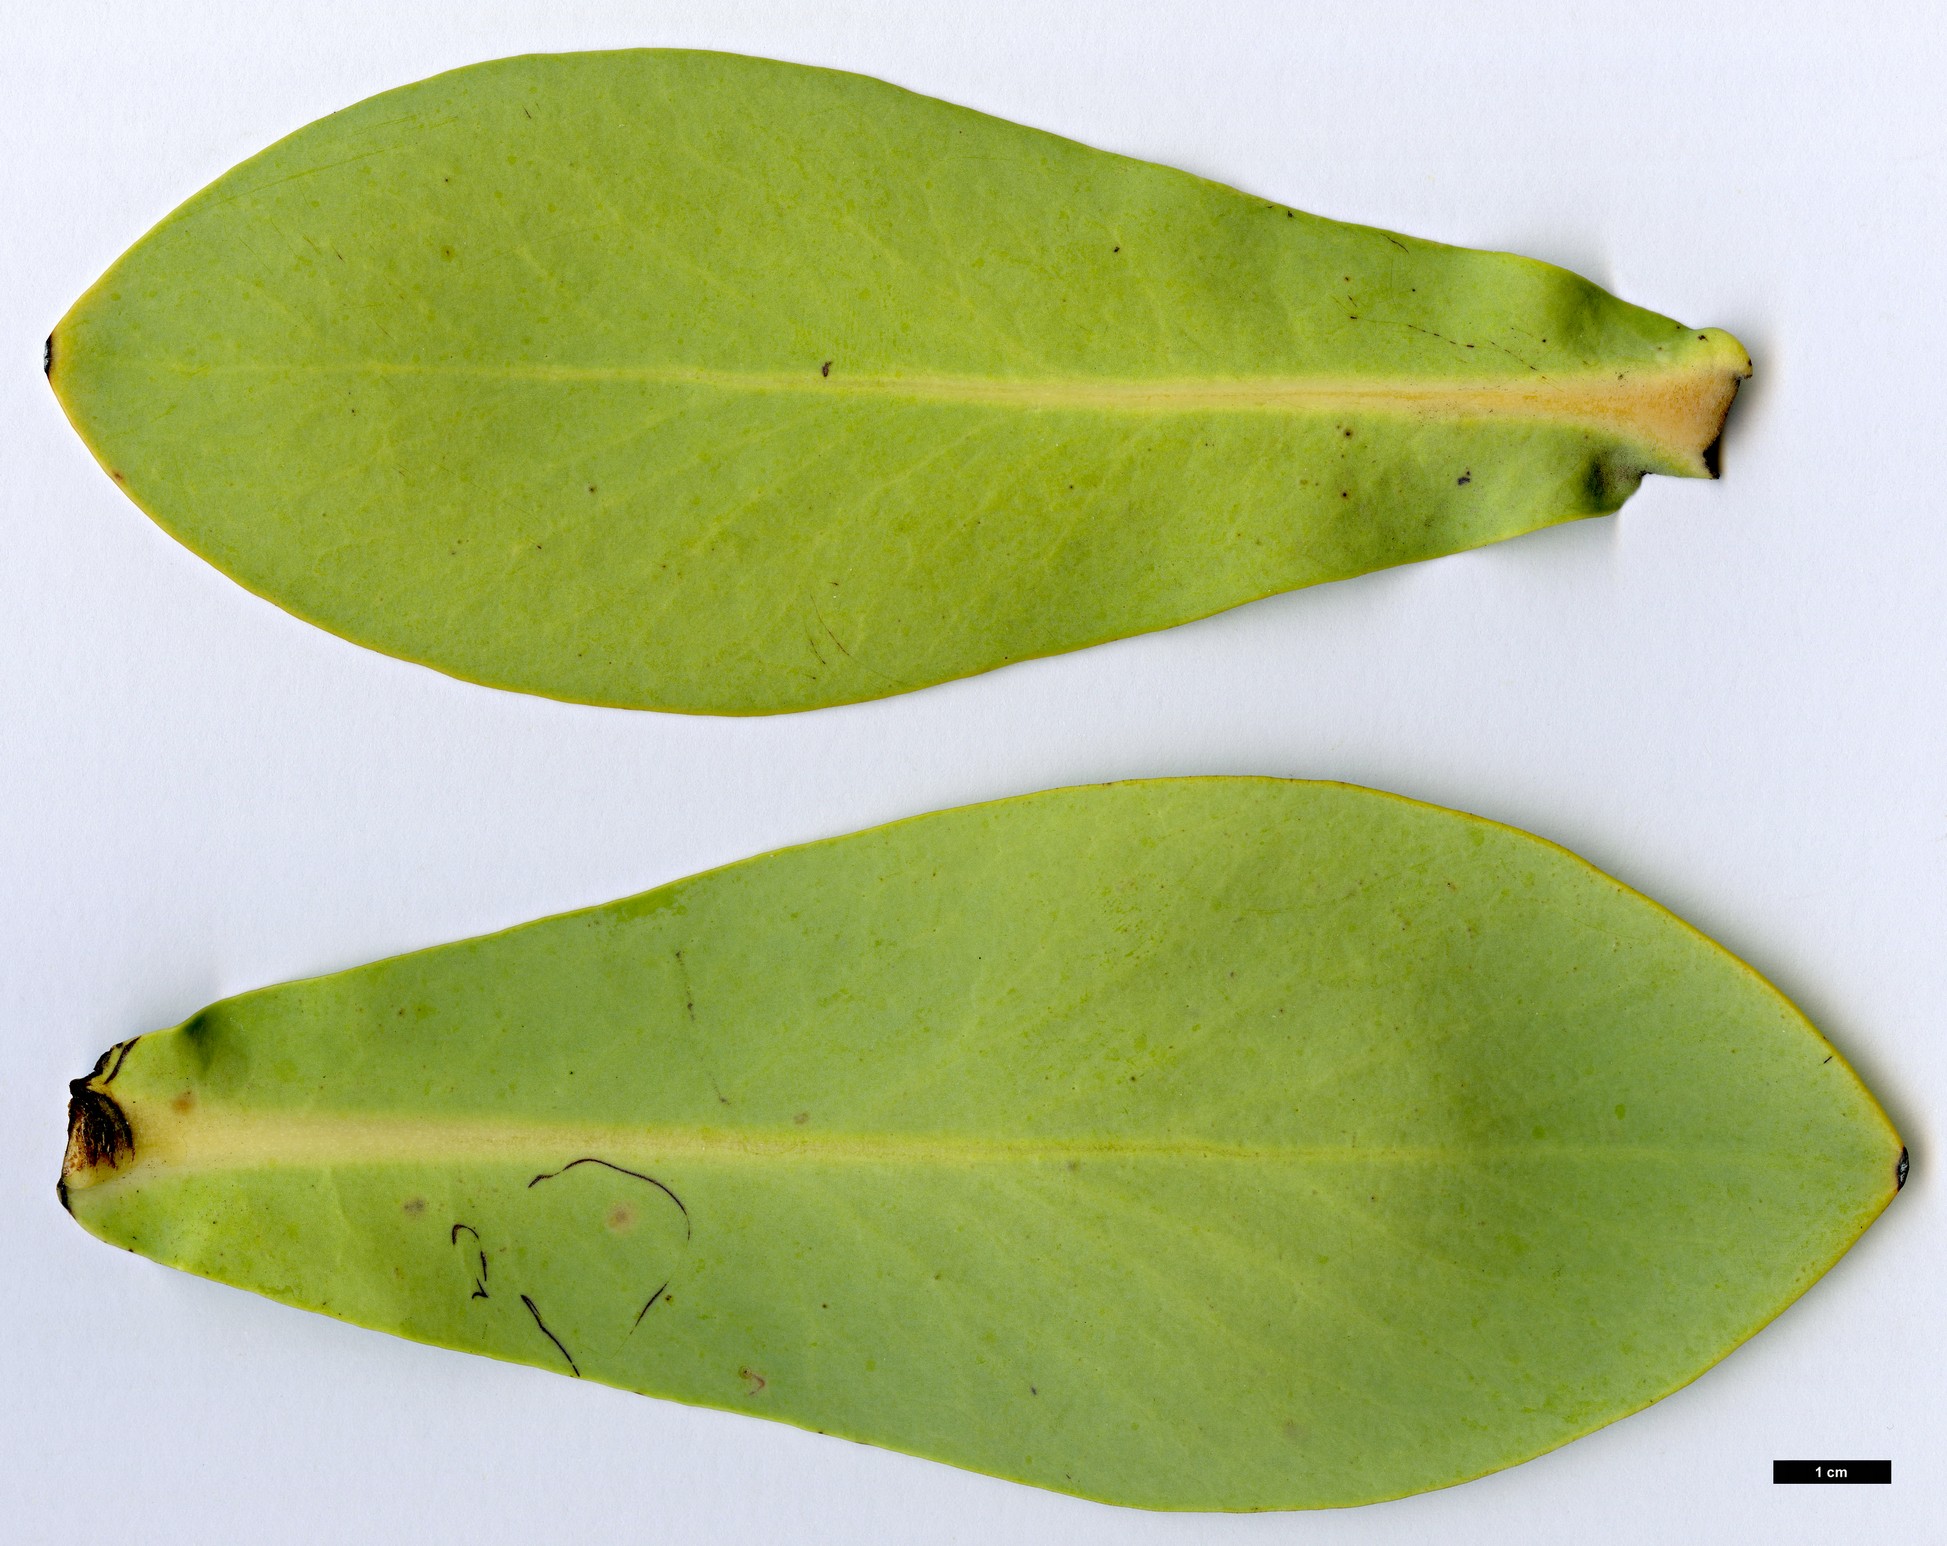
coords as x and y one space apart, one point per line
1205 1143
691 381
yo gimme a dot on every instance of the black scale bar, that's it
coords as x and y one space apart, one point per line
1832 1473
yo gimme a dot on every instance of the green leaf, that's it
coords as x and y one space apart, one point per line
1203 1143
691 381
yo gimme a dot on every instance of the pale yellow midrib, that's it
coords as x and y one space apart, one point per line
1677 408
209 1139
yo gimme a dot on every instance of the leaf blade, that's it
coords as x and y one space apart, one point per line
694 382
1186 1143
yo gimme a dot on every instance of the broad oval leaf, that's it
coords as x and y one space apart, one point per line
691 381
1205 1143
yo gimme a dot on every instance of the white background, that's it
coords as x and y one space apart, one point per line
1730 695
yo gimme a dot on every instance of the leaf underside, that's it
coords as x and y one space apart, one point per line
692 381
1193 1144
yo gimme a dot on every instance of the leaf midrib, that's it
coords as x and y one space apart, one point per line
216 1138
1539 391
1678 409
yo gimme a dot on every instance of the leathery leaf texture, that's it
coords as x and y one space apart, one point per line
692 381
1203 1144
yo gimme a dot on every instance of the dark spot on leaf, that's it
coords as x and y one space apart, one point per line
1465 478
413 1206
825 369
802 1117
1899 1172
